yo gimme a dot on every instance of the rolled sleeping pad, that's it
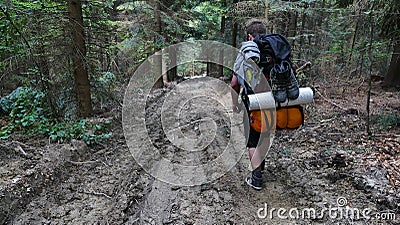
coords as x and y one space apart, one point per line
265 100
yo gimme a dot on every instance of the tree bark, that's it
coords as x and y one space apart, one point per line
303 23
292 26
82 85
234 34
234 29
221 52
392 78
159 83
266 10
355 25
371 57
172 72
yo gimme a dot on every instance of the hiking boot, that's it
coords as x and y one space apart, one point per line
280 79
254 182
293 89
279 93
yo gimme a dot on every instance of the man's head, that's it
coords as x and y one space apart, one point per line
254 27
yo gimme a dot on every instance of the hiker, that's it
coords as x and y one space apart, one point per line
259 73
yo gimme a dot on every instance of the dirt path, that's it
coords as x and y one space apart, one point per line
310 168
217 201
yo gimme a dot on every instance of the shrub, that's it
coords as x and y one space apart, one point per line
30 114
388 121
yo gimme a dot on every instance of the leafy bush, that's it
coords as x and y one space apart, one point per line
91 133
7 103
30 114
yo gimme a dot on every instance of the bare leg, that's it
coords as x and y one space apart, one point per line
251 155
258 154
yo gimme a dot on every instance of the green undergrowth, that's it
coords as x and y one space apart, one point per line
27 112
387 121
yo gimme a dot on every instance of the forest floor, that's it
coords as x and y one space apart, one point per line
330 165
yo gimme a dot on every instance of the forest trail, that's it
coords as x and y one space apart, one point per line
309 168
201 104
184 160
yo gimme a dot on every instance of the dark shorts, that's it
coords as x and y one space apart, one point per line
252 136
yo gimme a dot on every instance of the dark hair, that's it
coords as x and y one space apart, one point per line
254 27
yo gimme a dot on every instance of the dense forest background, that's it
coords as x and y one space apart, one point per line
64 61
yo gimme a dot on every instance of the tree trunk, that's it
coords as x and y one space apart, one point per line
81 76
371 58
303 23
221 61
355 33
44 67
234 29
157 70
234 34
292 26
211 67
221 52
266 9
392 78
311 24
172 72
158 57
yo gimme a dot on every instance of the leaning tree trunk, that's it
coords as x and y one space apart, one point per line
81 76
392 78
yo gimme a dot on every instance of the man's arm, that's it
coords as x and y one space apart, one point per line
234 93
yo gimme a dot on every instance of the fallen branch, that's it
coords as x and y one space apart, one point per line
21 150
303 66
96 193
330 101
82 163
17 148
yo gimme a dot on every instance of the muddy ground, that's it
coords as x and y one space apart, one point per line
327 163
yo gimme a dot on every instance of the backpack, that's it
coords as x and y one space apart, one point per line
270 52
263 120
289 117
275 52
246 69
